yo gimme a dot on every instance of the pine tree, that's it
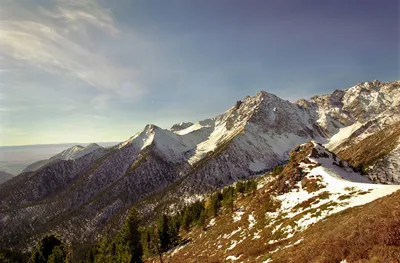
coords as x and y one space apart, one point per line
36 257
104 252
123 253
214 204
228 198
44 249
147 241
173 229
163 233
129 238
186 219
251 186
58 255
202 219
240 187
229 203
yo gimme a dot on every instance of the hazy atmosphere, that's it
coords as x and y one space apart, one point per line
185 131
92 71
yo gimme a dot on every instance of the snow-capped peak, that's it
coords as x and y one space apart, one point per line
75 152
180 126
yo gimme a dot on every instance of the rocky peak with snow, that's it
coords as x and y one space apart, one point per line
362 103
75 152
71 153
180 126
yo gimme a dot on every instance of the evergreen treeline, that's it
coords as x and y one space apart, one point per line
135 240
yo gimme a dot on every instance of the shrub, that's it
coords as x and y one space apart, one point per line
277 170
312 184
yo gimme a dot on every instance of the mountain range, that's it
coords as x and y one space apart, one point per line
86 191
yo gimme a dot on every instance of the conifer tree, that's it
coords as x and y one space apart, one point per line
228 198
58 255
128 240
215 204
42 252
186 219
163 233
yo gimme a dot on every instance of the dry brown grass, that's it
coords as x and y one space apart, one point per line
211 246
372 148
312 184
370 233
309 202
292 173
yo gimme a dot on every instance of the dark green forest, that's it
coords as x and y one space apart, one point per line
136 239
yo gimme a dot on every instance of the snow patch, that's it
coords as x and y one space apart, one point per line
252 221
227 236
342 135
211 223
237 216
233 245
337 181
233 258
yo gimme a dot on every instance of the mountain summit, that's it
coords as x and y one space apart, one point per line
72 153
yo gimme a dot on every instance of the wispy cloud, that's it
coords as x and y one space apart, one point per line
86 11
58 41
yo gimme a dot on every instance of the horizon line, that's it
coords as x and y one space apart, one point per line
43 144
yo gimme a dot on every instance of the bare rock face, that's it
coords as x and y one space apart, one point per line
387 169
78 197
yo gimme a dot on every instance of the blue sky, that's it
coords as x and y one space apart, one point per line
87 70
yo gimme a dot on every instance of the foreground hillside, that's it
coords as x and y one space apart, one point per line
313 211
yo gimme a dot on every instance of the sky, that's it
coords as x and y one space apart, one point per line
92 71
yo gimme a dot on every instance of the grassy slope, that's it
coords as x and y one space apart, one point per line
374 147
369 233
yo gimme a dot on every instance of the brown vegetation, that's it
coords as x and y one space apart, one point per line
370 233
372 148
312 184
292 173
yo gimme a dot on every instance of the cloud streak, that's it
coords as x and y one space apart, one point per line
70 67
60 43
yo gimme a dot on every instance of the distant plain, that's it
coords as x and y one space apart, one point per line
14 159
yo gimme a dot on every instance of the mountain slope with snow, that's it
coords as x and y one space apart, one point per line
378 155
268 221
79 192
